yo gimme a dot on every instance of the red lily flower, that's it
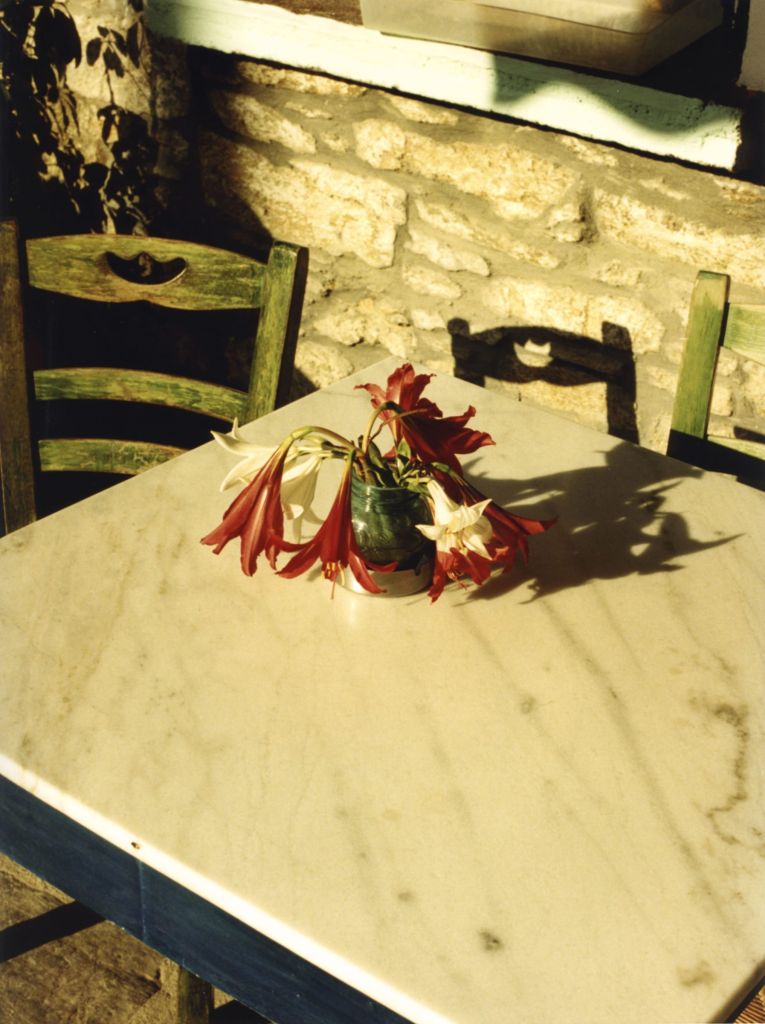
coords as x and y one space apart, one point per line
509 531
255 516
453 565
335 545
431 436
473 534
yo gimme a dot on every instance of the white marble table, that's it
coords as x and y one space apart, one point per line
539 802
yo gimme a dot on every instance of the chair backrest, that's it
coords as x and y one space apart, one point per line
123 269
716 323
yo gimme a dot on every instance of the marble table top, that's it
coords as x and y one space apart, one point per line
540 801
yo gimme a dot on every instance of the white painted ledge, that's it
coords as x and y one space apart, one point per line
603 109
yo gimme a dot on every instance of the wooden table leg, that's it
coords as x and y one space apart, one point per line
195 999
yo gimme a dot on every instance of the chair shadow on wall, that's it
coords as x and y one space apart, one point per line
525 355
612 515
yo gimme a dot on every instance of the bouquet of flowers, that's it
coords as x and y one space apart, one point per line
472 535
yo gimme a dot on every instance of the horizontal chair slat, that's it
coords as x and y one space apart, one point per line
106 383
102 455
745 331
79 265
739 444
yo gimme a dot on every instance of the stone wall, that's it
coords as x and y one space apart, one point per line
431 228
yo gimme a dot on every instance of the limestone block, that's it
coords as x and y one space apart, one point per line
336 142
517 183
676 234
739 192
378 198
247 116
722 399
663 378
321 281
545 303
482 231
427 320
673 350
439 341
754 384
589 152
661 185
568 223
381 144
645 328
310 203
321 363
728 363
312 113
615 272
371 320
445 255
426 281
424 113
295 81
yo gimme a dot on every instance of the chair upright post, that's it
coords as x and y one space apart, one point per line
16 453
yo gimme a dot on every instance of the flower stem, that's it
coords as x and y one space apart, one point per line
298 435
376 413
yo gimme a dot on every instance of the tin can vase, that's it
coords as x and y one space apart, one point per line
385 527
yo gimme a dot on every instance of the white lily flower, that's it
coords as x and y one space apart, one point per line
298 490
254 456
464 527
301 469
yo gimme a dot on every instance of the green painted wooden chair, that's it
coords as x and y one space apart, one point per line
125 269
716 323
160 272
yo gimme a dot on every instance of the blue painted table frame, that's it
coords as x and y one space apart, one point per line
174 921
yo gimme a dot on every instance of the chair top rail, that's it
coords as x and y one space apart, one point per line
130 268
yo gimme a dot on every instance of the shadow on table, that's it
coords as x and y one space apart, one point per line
611 522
